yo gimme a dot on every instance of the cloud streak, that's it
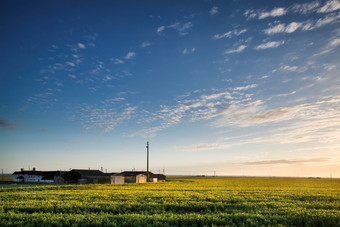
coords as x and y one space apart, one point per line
229 34
181 27
272 44
285 161
130 55
213 10
239 49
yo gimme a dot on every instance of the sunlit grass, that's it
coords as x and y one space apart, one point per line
178 202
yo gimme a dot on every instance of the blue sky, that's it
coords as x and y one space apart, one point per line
236 87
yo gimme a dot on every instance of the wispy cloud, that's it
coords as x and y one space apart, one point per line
81 45
237 50
230 34
160 29
105 115
181 27
244 88
130 55
117 61
280 28
145 44
285 161
330 6
329 19
289 68
309 122
187 51
204 107
213 10
6 125
272 44
304 26
305 7
332 44
276 12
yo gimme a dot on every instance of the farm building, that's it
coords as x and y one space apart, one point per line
160 177
134 176
82 176
117 178
35 176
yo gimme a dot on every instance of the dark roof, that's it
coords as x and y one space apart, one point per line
134 173
114 174
47 175
88 172
151 175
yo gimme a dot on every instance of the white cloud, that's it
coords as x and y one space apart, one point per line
279 28
229 34
237 50
289 68
272 44
305 7
330 6
310 25
326 20
145 44
292 27
276 29
187 51
202 107
250 14
213 10
276 12
332 45
244 88
117 61
82 46
335 42
130 55
181 28
72 76
105 115
160 29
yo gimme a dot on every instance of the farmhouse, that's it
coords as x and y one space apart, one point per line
82 176
38 176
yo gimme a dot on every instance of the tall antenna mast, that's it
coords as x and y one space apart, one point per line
147 161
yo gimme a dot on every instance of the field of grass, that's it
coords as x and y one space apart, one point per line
178 202
6 177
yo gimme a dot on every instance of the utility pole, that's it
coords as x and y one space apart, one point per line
147 161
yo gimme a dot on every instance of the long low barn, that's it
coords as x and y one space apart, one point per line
81 176
38 176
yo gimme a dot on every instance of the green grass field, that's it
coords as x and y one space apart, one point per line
178 202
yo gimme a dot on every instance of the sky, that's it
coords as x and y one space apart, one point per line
237 88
